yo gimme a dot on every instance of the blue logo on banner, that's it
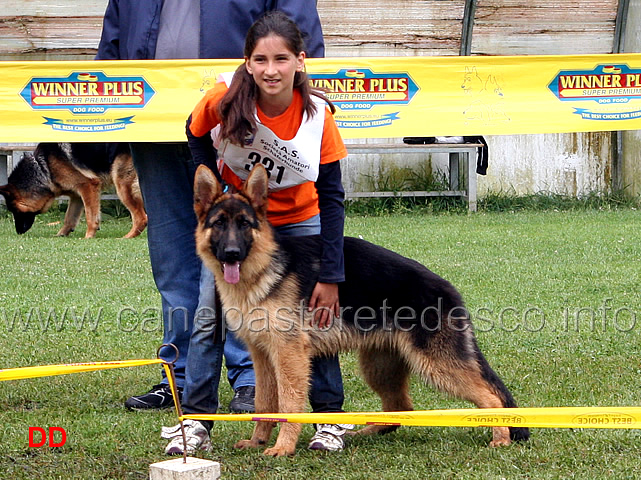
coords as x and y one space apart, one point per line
382 121
87 93
607 85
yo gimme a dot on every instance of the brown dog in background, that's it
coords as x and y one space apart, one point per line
81 171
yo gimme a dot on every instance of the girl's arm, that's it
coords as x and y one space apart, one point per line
202 150
331 196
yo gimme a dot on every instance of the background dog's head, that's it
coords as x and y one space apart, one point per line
27 192
228 221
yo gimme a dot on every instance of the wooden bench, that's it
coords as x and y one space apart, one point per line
461 156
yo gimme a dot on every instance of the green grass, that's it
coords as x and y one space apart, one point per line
524 275
501 201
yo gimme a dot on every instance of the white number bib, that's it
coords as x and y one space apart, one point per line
288 162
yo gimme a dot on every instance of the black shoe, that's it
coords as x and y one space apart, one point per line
243 401
157 398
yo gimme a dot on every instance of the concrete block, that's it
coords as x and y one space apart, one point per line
177 469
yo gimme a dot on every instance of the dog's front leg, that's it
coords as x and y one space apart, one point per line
266 400
292 378
72 217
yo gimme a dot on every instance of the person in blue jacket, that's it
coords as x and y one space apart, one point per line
182 29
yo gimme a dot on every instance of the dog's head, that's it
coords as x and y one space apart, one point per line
27 193
12 197
229 221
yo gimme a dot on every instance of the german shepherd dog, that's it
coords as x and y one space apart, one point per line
81 171
400 317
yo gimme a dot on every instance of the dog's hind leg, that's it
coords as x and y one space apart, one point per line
469 378
124 178
132 199
388 375
72 216
266 400
90 194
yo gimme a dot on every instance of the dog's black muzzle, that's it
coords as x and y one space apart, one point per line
23 221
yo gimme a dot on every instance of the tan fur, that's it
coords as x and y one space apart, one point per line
83 191
28 204
125 179
282 342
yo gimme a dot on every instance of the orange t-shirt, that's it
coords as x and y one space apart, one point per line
290 205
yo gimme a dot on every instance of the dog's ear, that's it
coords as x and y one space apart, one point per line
6 192
256 189
206 190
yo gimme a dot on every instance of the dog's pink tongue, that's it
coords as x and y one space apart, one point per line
232 272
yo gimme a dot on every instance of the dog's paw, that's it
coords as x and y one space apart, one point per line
245 444
500 443
279 452
500 437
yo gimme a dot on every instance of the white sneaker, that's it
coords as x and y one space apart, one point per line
329 437
196 434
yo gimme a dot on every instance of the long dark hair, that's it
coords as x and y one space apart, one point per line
237 108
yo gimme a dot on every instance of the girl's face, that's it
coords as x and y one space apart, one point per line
273 67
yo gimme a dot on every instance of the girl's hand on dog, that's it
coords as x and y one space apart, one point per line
324 303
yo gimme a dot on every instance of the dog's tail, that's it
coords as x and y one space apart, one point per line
516 433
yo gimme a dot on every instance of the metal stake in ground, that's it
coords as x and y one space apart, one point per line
171 377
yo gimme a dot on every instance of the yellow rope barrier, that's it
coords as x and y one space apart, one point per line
64 369
549 417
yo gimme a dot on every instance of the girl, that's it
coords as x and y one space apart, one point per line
268 113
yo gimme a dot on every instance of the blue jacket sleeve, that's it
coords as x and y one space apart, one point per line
331 196
305 15
130 30
109 46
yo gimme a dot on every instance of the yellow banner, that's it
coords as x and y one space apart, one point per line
64 369
551 417
376 97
